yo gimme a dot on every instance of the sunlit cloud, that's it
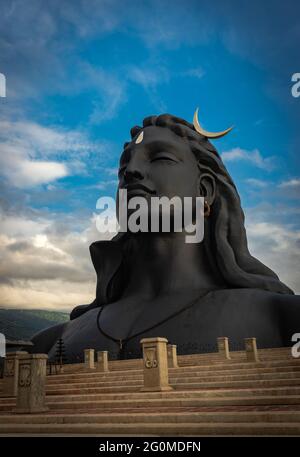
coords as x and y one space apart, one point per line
26 148
259 183
253 157
277 246
290 183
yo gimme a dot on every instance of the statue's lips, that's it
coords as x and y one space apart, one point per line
138 189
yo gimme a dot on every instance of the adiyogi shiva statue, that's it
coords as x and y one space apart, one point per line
155 283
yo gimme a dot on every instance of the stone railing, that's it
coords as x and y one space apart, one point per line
25 374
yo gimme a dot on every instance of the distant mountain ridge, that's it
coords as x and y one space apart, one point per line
22 324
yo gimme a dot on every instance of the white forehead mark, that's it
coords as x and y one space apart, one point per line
139 138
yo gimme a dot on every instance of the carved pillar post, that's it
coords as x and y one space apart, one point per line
155 365
223 347
172 355
102 361
89 358
31 384
251 349
11 373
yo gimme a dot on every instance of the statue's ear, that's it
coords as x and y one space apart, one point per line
207 185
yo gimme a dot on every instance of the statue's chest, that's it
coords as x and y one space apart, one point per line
123 324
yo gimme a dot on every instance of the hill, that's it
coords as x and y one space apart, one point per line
21 324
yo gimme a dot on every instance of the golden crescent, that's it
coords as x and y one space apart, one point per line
203 132
139 138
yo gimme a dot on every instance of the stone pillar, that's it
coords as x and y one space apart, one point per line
172 355
223 347
11 373
155 365
251 350
32 383
89 358
102 361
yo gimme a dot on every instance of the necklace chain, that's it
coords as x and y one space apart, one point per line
122 341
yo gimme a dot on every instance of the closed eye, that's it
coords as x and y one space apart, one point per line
165 157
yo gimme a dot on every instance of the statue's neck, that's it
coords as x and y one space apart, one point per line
163 263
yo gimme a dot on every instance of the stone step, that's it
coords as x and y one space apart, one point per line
175 394
133 386
229 365
200 358
157 429
115 366
146 418
170 403
174 380
253 391
239 384
282 391
195 359
235 355
207 370
265 353
166 409
210 396
203 376
141 402
96 390
120 365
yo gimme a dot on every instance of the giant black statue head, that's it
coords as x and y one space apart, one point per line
170 157
174 159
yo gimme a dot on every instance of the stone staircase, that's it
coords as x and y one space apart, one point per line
210 396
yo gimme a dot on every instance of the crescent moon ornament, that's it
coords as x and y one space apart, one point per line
139 138
203 132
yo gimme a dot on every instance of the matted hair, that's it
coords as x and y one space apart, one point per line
228 235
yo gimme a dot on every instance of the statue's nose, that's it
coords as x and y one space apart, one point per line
132 174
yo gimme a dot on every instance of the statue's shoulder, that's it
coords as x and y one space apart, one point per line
267 309
288 307
258 295
293 300
288 315
258 301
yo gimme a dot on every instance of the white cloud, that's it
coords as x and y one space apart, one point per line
44 141
29 173
294 183
257 182
45 261
23 226
254 157
277 246
28 149
45 294
43 266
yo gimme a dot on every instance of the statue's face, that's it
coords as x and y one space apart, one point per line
162 164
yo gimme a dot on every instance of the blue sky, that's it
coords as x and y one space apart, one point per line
81 73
